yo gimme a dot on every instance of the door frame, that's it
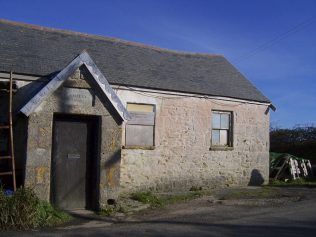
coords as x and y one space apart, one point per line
93 167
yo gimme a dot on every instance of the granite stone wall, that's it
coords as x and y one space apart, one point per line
40 128
182 157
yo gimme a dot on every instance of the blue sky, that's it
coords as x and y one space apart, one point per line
272 42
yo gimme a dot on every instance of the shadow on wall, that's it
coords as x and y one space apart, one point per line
111 182
27 92
256 178
112 169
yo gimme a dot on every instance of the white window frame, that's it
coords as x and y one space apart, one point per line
228 130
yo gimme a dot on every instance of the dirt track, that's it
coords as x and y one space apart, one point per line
293 214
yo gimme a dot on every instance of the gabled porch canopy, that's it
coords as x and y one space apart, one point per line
63 75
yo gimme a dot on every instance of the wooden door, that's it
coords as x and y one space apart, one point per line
72 181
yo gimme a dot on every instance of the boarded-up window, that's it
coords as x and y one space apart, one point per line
221 128
139 130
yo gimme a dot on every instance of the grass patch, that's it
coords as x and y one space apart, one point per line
159 201
147 198
111 210
24 210
300 182
49 216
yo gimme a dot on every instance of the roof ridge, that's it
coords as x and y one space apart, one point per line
107 38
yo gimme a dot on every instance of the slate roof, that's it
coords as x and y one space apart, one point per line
38 50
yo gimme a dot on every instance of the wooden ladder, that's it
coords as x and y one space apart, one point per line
9 126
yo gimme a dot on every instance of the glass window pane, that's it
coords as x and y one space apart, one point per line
223 137
225 121
216 120
215 137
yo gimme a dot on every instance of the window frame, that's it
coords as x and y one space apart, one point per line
144 147
229 145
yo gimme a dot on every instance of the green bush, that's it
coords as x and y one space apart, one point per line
299 141
23 210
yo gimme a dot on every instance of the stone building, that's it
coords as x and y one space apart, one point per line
97 117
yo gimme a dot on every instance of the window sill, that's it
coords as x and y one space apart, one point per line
139 147
221 148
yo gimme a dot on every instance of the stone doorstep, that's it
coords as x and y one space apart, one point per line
81 212
83 218
88 224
